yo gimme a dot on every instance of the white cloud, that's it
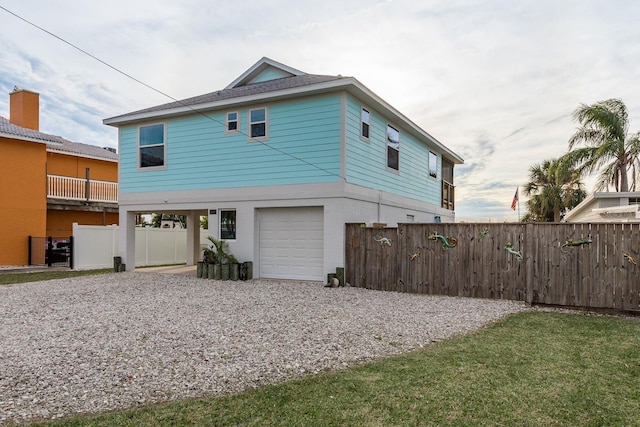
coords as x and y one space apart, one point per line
496 80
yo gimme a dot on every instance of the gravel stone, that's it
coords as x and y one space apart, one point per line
98 343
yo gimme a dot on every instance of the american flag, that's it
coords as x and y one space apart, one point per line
515 200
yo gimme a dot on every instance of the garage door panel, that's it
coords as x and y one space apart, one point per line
291 243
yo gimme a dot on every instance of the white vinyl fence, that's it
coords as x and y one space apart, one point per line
95 246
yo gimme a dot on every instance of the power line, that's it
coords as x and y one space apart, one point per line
159 91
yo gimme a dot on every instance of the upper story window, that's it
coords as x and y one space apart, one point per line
232 122
393 148
151 145
433 165
258 124
365 117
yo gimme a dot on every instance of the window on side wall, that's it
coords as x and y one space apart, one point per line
393 148
232 122
151 145
433 165
365 117
258 124
227 225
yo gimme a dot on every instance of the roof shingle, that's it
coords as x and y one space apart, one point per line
242 91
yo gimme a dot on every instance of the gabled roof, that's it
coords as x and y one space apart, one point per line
268 80
260 67
54 143
235 93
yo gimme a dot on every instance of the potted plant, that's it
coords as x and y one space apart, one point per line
221 263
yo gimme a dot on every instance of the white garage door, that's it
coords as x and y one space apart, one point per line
291 243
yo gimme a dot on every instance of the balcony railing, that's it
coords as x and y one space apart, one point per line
67 188
448 195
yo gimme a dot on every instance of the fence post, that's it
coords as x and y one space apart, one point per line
71 252
87 186
29 260
49 251
528 272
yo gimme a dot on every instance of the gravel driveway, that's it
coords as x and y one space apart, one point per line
98 343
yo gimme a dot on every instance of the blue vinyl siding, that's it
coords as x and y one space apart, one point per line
366 162
200 155
269 74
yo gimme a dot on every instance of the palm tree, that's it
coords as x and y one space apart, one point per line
553 189
608 147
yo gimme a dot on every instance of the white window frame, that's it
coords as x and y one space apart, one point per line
363 123
163 145
265 121
227 121
433 156
390 145
220 216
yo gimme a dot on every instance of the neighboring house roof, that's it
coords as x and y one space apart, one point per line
590 208
84 150
9 130
245 90
55 143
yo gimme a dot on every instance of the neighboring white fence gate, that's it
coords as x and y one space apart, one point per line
95 246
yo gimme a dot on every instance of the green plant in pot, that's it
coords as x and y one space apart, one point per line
220 258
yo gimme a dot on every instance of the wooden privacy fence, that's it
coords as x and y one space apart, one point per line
578 264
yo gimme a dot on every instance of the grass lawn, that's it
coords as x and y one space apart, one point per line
532 369
23 277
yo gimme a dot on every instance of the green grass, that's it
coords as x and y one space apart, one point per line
532 369
36 276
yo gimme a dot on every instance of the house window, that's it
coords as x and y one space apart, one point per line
364 128
258 123
232 122
151 143
393 148
433 165
227 225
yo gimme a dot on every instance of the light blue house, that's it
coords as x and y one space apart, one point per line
280 160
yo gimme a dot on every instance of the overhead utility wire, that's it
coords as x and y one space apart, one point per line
161 92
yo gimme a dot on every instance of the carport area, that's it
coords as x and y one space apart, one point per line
127 239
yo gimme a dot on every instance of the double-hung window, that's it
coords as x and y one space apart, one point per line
233 122
393 148
433 165
258 124
151 145
365 118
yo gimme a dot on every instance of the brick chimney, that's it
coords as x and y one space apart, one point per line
24 108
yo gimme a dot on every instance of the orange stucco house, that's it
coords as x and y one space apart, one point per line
47 182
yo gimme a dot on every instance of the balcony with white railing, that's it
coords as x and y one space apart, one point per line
81 189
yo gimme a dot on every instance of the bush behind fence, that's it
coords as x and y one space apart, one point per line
590 265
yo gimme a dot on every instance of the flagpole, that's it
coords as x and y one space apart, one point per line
518 209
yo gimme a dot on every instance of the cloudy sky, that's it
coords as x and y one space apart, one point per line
496 80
